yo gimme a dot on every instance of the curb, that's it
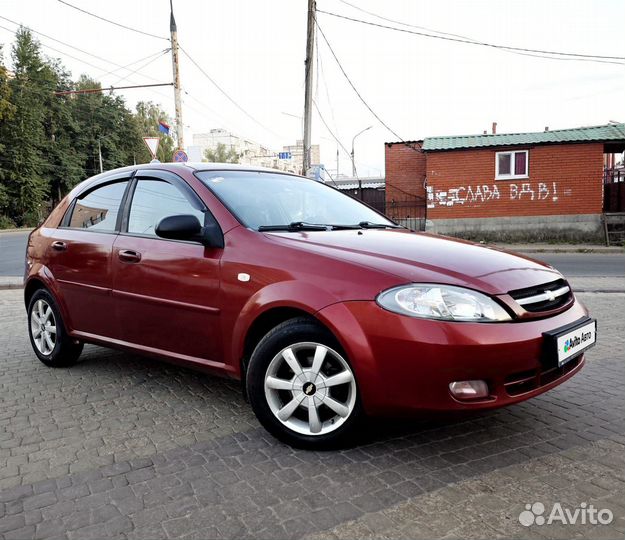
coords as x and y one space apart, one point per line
22 229
612 251
562 248
11 282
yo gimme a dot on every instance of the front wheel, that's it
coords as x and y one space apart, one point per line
301 386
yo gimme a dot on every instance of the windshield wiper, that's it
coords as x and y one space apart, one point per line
367 225
371 225
294 226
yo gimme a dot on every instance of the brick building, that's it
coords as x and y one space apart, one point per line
546 184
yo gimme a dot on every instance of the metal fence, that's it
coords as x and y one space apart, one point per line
407 210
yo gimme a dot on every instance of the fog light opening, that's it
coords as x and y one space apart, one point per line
469 390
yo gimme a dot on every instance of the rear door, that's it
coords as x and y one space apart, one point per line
79 256
166 291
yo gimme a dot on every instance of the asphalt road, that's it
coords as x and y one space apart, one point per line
12 249
13 245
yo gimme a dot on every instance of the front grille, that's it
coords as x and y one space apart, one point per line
543 297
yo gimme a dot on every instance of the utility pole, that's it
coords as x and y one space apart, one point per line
176 67
100 156
310 50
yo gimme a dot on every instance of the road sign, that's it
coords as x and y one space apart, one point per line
152 144
284 155
180 156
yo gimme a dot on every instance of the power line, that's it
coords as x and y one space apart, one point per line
224 93
111 88
119 66
347 153
356 90
127 66
112 22
587 57
394 21
136 70
402 23
59 51
72 47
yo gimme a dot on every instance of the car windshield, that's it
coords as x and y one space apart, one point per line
267 201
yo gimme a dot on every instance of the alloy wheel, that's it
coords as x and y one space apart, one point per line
310 388
43 327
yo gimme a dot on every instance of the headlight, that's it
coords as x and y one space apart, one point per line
444 302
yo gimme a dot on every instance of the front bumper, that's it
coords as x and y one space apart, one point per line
405 364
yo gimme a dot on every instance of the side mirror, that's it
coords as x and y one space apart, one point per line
181 227
188 227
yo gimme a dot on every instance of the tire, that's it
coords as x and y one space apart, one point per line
47 333
302 388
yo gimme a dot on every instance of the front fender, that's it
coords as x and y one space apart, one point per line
305 297
340 320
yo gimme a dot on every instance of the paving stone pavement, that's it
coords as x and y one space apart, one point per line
126 447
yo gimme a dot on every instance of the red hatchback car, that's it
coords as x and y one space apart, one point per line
325 309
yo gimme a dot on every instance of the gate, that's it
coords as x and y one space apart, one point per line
405 209
613 191
408 210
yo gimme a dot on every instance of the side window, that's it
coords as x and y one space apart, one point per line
152 201
99 208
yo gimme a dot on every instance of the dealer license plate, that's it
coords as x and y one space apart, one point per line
572 340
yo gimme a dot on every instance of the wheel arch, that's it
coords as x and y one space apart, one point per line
41 278
32 286
263 324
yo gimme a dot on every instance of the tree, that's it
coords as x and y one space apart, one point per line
64 164
7 111
23 135
147 117
49 142
105 126
222 155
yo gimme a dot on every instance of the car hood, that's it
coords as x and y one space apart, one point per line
423 257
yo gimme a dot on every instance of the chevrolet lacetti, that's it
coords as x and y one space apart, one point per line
326 311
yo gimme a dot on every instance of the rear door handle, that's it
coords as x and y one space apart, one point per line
129 256
59 246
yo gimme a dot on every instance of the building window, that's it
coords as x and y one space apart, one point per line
511 165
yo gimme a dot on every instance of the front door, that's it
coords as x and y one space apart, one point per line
79 258
166 291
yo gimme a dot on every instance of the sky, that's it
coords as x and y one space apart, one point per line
417 85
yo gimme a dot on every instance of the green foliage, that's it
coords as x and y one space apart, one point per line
6 222
221 154
23 135
49 143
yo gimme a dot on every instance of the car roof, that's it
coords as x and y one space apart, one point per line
194 166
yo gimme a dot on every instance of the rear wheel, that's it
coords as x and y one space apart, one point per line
301 386
47 332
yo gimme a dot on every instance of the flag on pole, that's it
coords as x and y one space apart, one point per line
163 127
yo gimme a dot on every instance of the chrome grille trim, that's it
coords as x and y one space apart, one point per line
544 297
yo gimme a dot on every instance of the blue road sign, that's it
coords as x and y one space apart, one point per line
180 156
284 155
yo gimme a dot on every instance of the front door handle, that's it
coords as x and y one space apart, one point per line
59 246
129 256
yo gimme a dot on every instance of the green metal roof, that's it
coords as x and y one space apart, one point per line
609 132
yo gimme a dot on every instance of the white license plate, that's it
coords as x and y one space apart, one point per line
575 341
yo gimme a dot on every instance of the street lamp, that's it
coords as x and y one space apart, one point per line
353 160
